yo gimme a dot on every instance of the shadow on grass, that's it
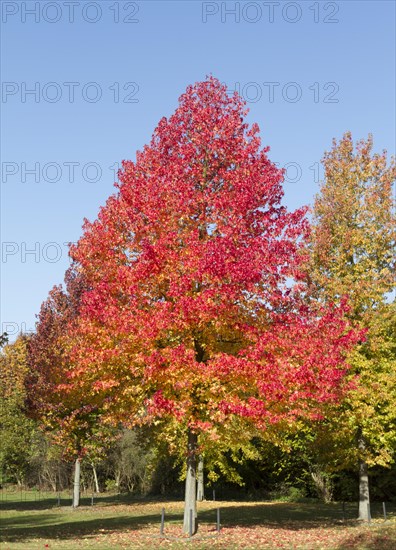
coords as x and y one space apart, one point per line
53 526
294 516
66 502
43 504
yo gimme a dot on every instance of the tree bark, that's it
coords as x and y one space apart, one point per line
95 475
364 494
323 484
118 480
76 485
200 480
190 497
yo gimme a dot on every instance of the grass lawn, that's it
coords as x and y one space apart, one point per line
33 524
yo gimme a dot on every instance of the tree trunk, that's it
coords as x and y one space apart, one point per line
364 494
118 480
76 485
95 475
200 480
190 500
323 484
19 480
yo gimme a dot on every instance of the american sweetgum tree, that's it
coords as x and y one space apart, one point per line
195 314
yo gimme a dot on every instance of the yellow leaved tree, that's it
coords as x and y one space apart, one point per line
351 253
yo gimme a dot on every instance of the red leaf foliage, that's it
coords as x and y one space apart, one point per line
195 306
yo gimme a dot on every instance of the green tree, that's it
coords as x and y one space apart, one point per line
17 430
352 254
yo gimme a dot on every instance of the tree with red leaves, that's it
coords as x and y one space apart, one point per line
196 310
72 420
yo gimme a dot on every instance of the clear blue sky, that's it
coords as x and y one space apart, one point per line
332 65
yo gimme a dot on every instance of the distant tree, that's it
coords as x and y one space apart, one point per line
17 430
352 254
3 339
72 423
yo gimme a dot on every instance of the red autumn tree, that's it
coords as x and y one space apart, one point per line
71 420
195 311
